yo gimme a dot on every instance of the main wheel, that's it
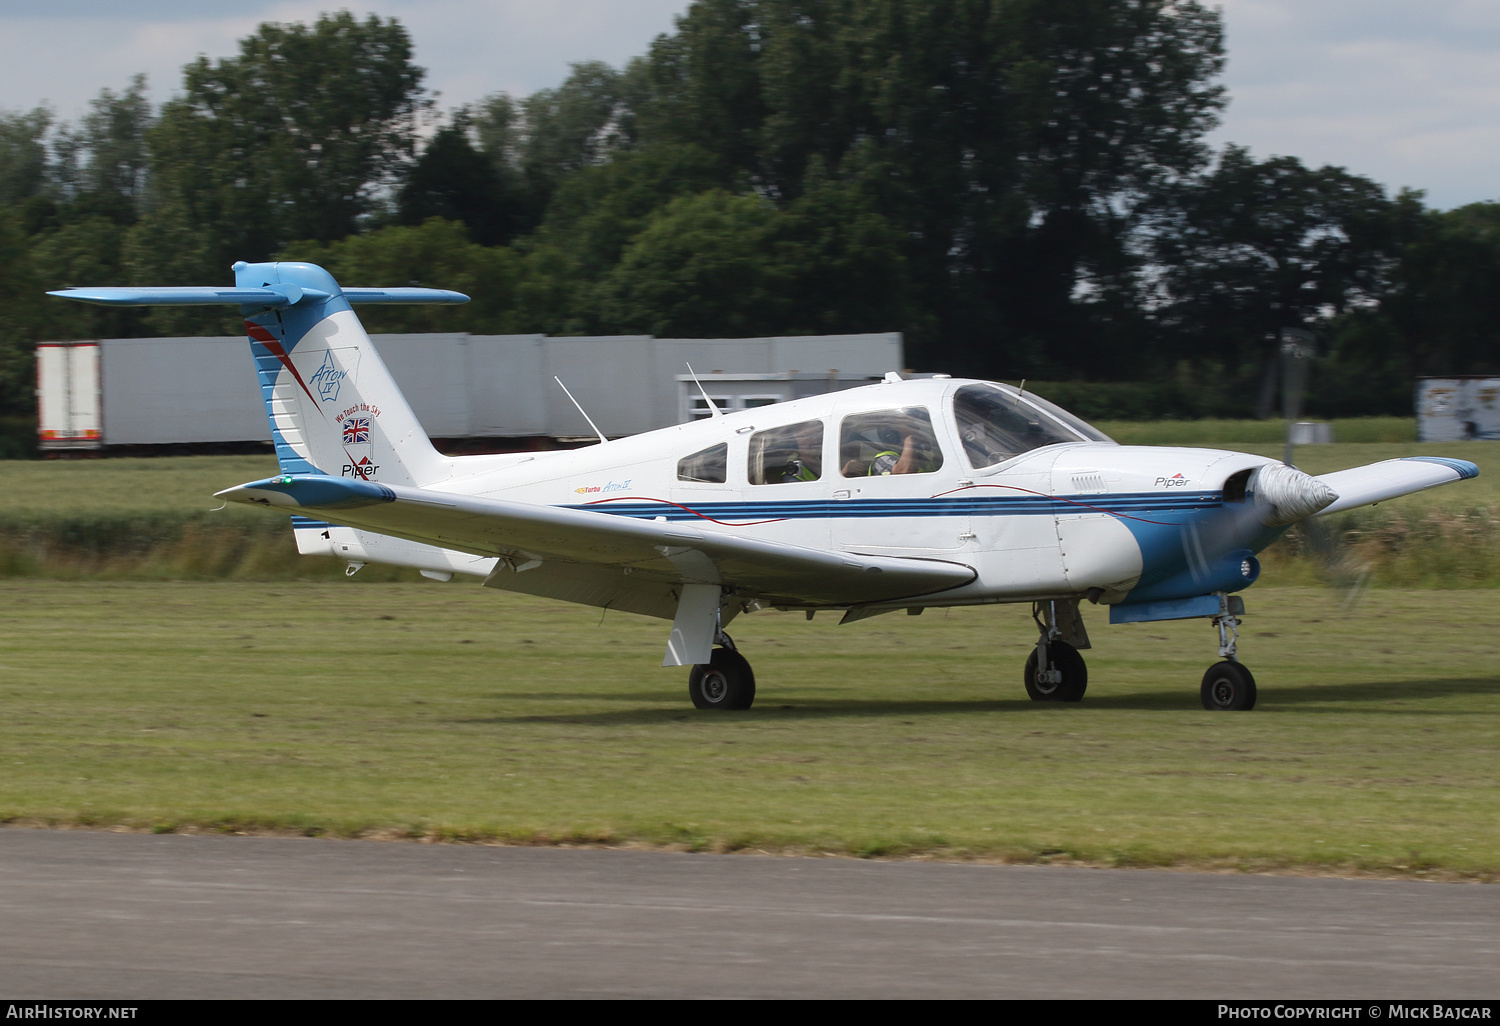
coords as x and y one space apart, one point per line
1075 675
1227 686
724 682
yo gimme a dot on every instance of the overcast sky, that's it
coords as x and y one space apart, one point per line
1405 92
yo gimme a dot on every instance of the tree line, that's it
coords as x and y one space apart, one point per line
1022 187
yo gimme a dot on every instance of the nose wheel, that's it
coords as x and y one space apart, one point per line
1228 686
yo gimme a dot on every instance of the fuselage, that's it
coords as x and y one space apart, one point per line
1076 514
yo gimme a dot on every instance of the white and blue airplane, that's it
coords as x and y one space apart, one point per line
906 494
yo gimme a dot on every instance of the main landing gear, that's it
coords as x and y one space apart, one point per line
1055 672
724 682
1228 685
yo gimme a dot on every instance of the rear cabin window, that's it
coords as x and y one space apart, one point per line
711 466
899 441
996 424
787 454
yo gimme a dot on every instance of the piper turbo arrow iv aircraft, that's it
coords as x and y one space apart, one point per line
906 494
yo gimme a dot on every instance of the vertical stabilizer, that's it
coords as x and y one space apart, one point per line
333 406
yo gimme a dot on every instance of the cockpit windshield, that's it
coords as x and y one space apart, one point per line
997 422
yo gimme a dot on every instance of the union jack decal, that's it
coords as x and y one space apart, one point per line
357 431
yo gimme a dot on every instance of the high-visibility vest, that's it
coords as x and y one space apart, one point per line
922 467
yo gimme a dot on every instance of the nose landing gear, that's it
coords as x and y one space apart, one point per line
1228 685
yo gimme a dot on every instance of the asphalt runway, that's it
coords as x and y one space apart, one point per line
135 916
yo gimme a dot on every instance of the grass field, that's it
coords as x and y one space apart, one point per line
440 711
1236 434
156 519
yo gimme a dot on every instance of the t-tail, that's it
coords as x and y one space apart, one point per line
334 408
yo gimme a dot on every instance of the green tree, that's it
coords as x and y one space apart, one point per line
105 158
85 251
1257 246
708 265
21 318
591 219
539 142
1015 143
719 265
1444 300
23 155
454 181
437 253
291 139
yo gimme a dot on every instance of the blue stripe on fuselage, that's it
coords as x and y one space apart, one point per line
1146 504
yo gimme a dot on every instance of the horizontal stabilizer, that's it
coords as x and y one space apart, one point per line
408 295
270 296
1377 482
671 553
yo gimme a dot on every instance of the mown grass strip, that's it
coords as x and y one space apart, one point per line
443 712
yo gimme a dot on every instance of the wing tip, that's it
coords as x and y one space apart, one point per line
1463 468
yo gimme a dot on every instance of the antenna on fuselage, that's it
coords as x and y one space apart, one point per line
580 408
713 410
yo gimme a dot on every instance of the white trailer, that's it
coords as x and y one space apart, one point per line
68 398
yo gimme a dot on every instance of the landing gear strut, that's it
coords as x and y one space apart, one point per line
724 682
1055 672
1228 685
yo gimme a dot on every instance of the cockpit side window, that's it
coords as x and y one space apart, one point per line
710 466
996 425
786 454
899 441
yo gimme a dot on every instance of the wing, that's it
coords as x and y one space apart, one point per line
599 546
1386 480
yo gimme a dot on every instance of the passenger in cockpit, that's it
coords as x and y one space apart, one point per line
894 442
